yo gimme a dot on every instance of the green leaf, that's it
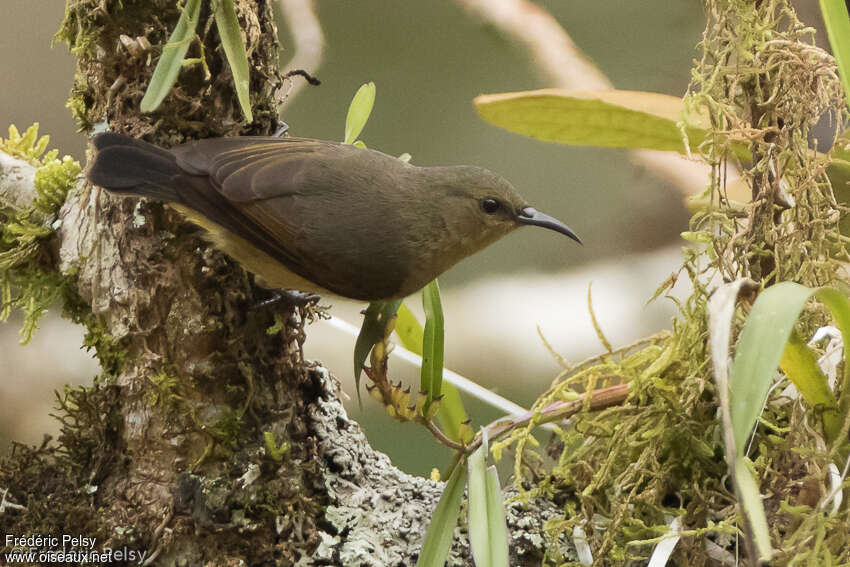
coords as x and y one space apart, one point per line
616 119
837 22
234 51
761 347
359 111
497 524
432 343
750 499
488 536
626 119
758 353
451 413
376 319
800 365
171 60
438 538
476 487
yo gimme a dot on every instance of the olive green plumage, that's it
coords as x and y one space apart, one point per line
322 216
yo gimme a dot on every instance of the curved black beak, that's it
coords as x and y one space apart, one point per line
533 217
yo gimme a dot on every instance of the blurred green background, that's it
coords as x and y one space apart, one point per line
428 60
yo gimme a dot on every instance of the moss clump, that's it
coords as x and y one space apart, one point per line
28 280
624 473
57 482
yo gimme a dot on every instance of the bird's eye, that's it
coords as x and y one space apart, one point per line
490 206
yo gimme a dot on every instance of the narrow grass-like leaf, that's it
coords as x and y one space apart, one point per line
171 60
438 538
375 320
758 353
476 488
359 111
497 525
488 535
800 365
837 22
750 499
432 342
234 50
451 414
763 345
721 309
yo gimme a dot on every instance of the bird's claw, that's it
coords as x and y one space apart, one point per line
291 297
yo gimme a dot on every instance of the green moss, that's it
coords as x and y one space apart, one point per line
165 390
622 473
275 452
27 279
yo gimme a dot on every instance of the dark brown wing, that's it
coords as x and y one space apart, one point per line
306 203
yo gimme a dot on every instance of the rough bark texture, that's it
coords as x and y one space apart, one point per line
207 440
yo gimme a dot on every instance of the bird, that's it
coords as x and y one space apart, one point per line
320 216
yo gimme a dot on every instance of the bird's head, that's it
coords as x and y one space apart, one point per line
485 206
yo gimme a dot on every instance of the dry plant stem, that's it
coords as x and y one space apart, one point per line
594 401
556 411
564 65
442 437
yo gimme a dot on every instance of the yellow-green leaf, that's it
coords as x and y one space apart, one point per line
837 22
431 376
359 111
800 365
409 330
617 119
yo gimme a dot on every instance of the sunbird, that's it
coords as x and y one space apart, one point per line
318 216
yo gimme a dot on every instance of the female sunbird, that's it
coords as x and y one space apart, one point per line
321 216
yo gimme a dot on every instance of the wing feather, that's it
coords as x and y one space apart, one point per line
281 194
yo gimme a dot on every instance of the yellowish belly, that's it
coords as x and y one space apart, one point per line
270 273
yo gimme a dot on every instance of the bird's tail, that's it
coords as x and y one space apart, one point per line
129 166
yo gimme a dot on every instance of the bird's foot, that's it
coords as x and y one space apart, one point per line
291 297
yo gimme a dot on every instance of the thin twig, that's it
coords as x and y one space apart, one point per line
556 411
5 504
308 45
